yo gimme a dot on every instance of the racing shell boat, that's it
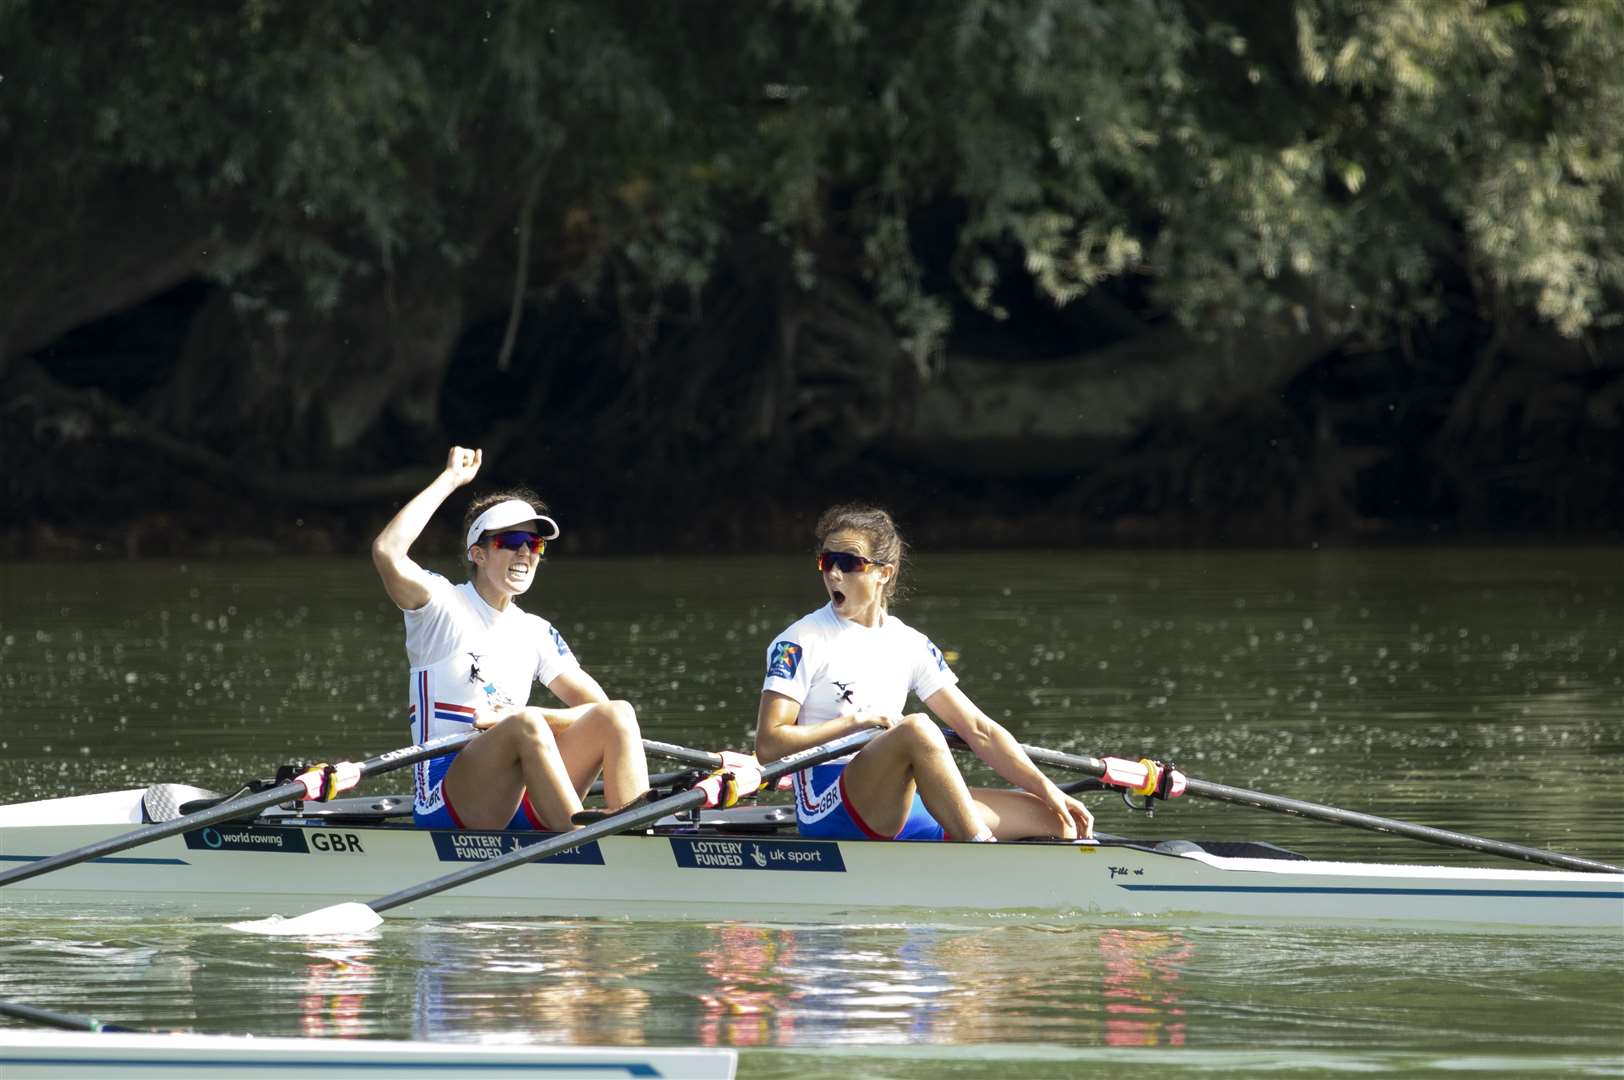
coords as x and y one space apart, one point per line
746 863
56 1055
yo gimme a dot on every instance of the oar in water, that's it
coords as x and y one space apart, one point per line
66 1021
354 917
317 782
1150 778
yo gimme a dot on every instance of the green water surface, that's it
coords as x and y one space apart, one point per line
1479 690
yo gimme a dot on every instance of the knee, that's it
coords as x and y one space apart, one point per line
921 731
621 719
530 725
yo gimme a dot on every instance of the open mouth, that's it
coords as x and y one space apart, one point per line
838 597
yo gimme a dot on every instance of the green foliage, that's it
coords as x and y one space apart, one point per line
1315 165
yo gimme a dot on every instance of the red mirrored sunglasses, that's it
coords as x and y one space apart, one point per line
515 539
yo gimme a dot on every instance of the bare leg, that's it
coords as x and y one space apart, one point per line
490 775
1015 815
555 754
605 737
912 756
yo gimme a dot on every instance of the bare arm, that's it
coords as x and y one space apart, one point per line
406 582
778 735
999 749
576 687
573 688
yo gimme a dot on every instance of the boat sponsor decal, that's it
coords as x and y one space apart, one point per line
707 854
262 838
338 843
483 846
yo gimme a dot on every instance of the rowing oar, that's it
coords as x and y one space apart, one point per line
353 917
689 756
1145 777
319 782
66 1021
704 759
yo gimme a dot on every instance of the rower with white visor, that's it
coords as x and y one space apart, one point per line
474 654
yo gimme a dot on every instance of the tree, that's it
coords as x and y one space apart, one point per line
764 228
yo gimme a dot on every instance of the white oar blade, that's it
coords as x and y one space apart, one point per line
340 919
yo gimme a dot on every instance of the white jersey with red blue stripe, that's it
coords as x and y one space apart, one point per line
835 667
468 659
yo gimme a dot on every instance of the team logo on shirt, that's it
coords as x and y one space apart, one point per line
845 691
782 661
936 654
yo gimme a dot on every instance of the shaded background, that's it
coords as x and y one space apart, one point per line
1191 271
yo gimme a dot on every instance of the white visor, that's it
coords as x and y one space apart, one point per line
507 514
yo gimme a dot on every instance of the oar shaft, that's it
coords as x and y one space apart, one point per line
1207 789
659 779
66 1021
687 755
247 804
617 823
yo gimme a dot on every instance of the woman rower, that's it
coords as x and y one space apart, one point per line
473 655
852 664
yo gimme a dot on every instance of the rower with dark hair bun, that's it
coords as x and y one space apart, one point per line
852 664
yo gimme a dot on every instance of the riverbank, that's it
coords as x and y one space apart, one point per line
743 529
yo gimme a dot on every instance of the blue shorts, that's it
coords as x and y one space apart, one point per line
841 822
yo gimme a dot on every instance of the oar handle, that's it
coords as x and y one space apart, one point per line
233 808
624 821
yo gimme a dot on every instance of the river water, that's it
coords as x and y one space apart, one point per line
1480 690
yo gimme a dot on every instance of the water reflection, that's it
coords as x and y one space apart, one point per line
886 989
762 986
1141 987
336 985
737 1008
534 982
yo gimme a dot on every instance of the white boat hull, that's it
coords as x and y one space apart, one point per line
25 1055
265 868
